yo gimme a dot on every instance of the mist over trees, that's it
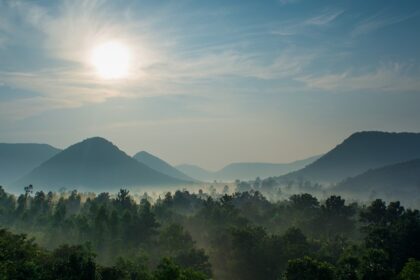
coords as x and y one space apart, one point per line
184 235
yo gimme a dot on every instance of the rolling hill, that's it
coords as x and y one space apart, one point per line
251 170
195 172
16 160
161 166
358 153
245 170
397 181
93 164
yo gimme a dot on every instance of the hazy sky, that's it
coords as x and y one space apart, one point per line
210 82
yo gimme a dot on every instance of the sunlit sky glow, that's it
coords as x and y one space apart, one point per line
208 82
111 60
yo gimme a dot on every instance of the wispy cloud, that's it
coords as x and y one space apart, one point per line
232 64
380 21
388 77
179 58
77 26
67 37
304 25
324 18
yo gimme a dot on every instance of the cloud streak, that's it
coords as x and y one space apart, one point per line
181 58
380 21
387 78
324 18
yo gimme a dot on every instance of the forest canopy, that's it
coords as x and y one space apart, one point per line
184 235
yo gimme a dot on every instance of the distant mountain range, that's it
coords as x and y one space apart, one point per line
357 154
195 172
401 180
94 164
16 160
245 170
364 162
161 166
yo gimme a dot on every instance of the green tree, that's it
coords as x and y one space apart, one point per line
347 268
309 269
73 263
375 265
133 269
411 270
20 258
336 217
304 201
168 270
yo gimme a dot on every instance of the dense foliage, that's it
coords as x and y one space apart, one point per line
200 236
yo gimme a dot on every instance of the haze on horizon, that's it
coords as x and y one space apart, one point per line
208 83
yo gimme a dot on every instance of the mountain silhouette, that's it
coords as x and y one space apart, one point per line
358 153
398 181
195 172
17 160
245 170
161 166
251 170
94 163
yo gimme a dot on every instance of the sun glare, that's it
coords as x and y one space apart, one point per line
111 60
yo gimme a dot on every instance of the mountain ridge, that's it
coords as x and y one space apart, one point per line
400 180
160 165
244 170
92 163
359 152
18 159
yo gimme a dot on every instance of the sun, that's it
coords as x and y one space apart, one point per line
111 60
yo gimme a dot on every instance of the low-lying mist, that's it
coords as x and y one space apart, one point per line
218 229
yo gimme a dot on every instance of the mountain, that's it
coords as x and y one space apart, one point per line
16 160
195 172
358 153
161 166
245 170
251 170
94 164
396 181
